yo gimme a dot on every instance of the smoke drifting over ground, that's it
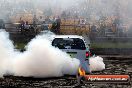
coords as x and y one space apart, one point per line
40 59
96 64
6 51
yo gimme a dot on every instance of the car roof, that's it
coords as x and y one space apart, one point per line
68 36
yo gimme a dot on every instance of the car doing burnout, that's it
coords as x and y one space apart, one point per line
75 46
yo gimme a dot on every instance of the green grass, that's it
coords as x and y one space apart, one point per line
20 45
111 45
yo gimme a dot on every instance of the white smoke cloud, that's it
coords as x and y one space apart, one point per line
6 51
43 60
40 59
96 63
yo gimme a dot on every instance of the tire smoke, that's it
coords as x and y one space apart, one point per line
96 63
40 59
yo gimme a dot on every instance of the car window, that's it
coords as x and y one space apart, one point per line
69 43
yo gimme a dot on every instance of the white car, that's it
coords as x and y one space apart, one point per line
75 46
